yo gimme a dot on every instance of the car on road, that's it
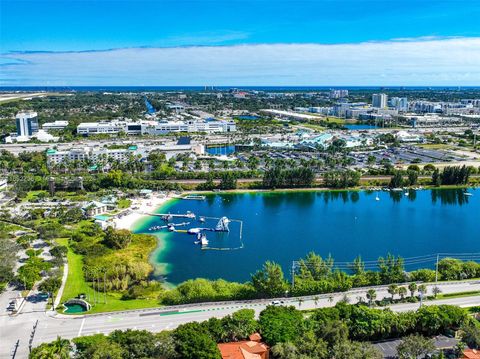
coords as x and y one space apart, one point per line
277 302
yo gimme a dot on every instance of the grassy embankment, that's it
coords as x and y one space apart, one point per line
76 285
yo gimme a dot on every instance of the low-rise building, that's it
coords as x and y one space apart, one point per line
101 155
246 349
95 155
92 128
156 127
94 208
57 125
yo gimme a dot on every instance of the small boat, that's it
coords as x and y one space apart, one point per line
202 219
406 193
468 194
171 228
204 240
194 230
377 198
199 239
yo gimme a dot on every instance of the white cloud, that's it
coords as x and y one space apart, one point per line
451 61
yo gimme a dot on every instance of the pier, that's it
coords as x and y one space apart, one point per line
169 216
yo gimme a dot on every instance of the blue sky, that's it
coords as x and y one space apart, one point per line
63 28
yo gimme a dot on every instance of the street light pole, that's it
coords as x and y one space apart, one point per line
293 274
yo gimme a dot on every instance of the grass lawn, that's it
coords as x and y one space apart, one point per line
458 295
336 120
124 203
76 285
436 146
313 126
33 195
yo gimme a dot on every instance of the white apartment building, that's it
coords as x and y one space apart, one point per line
335 94
97 154
379 100
399 103
94 154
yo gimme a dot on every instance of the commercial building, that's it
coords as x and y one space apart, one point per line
379 100
27 124
92 128
156 127
57 125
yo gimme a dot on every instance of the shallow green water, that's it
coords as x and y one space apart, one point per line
74 308
285 226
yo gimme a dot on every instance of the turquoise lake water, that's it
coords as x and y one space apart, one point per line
285 226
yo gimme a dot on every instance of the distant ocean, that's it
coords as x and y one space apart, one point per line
226 88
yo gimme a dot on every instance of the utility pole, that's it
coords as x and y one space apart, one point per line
105 286
15 348
32 334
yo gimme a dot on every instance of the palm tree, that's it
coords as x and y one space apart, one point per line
371 296
422 288
58 349
402 291
392 290
412 287
436 291
300 301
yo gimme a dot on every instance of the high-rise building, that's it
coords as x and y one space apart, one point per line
379 100
27 123
399 103
338 93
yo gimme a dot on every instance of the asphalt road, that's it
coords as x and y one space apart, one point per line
51 325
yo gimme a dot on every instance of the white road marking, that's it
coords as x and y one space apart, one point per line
81 328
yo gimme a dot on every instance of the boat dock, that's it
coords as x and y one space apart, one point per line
169 216
196 197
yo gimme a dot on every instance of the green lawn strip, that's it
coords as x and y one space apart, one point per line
472 293
76 285
185 312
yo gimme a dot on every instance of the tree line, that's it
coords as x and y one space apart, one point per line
342 332
315 275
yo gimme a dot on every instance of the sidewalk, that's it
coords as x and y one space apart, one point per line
62 286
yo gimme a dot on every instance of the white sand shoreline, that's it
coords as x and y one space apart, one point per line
141 207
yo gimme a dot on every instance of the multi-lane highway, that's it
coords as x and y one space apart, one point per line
51 325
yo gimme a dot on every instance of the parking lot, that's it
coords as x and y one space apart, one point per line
407 154
389 347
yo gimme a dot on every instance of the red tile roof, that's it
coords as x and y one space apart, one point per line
471 354
247 349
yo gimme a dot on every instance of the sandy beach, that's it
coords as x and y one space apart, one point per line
139 208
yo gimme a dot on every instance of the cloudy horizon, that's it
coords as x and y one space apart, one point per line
399 62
